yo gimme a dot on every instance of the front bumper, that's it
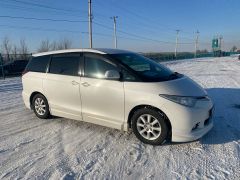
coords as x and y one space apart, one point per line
198 130
181 136
189 123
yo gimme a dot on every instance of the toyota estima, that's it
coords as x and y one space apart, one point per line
117 89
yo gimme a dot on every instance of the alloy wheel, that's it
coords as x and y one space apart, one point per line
148 127
40 106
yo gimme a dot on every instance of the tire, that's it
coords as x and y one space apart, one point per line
40 106
154 131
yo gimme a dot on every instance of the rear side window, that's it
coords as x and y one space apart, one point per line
65 65
38 64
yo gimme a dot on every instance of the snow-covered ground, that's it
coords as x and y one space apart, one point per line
63 148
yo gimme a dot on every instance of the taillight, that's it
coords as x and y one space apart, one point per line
24 72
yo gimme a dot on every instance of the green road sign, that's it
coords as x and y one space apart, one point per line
215 44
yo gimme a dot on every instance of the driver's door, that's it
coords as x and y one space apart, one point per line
102 99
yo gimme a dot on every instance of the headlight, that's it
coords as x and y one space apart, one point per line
183 100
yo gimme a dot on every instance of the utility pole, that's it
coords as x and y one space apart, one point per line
115 30
90 22
196 43
220 42
82 39
176 47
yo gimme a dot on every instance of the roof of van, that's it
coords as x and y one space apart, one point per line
97 50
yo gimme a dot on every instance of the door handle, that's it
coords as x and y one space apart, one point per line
75 83
85 84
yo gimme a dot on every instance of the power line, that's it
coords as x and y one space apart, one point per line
140 17
37 28
145 28
57 30
59 9
31 9
41 19
33 4
43 6
144 25
123 32
141 37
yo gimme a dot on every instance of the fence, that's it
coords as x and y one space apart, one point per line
171 57
159 57
12 64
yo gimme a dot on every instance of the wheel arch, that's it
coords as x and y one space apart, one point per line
32 95
151 107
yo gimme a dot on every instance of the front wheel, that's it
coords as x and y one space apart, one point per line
40 106
149 126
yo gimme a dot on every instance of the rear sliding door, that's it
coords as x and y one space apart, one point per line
62 85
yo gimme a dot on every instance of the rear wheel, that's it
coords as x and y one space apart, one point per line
149 126
40 106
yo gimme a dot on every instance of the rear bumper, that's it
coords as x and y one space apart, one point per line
26 100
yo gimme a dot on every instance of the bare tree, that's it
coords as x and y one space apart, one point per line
64 44
202 51
7 47
14 51
54 45
233 49
45 46
23 49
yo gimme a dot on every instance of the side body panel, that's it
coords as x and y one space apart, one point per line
63 94
102 102
32 82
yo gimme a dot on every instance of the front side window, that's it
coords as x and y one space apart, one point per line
96 66
145 68
65 65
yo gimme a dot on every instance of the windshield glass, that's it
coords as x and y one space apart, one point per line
147 69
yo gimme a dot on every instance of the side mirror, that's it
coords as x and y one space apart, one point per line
112 74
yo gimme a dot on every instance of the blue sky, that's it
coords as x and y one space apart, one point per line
144 25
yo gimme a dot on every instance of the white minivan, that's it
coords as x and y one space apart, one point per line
117 89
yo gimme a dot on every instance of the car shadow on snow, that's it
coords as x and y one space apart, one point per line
226 116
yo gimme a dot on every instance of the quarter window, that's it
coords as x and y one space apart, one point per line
96 67
65 65
38 64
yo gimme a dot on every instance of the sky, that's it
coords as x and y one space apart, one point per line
142 25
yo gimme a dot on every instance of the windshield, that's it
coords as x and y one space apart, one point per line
147 69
